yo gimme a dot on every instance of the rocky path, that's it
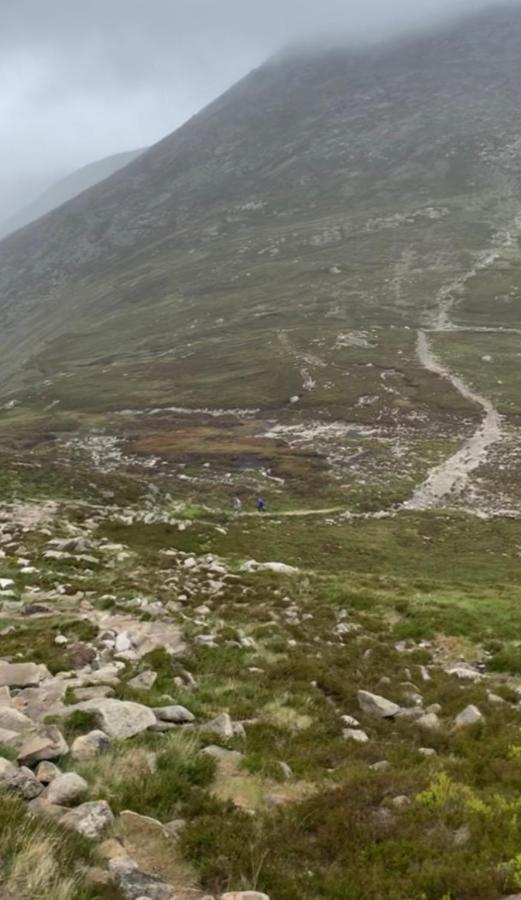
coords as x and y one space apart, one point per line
450 478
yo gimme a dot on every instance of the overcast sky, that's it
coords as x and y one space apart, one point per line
81 79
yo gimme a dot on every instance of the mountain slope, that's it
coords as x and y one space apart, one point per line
67 188
276 254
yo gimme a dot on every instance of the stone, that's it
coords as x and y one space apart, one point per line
133 883
90 693
144 681
380 766
46 772
465 672
355 734
401 802
427 752
119 719
22 675
88 746
12 720
49 743
90 819
23 782
111 848
60 640
462 836
468 716
429 722
6 768
67 789
5 696
350 721
222 726
10 738
374 705
244 895
178 714
123 642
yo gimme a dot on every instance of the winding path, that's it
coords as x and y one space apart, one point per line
450 478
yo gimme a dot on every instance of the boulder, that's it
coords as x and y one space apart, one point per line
89 819
355 734
46 772
49 743
119 719
91 693
429 722
6 768
67 789
12 720
468 716
144 681
88 746
135 884
244 895
178 714
22 674
222 726
10 738
376 706
23 782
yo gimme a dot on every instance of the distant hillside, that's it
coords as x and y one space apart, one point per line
277 255
66 189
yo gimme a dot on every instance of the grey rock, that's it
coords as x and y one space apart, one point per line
222 726
374 705
133 883
380 766
91 693
88 746
177 714
427 752
23 782
355 734
6 768
120 719
468 716
244 895
350 721
49 743
67 789
144 681
90 819
22 674
10 738
12 720
429 722
46 772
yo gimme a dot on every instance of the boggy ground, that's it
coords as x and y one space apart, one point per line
249 748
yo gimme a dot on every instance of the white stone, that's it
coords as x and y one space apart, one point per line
374 705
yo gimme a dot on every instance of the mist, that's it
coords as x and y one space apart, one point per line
81 81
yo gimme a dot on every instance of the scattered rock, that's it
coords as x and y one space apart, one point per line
135 884
6 768
119 719
67 789
88 746
244 895
49 743
178 714
374 705
427 752
22 674
90 819
355 734
46 772
222 727
429 722
144 681
468 716
12 720
23 782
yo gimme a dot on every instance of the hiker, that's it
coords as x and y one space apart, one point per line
261 504
237 505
